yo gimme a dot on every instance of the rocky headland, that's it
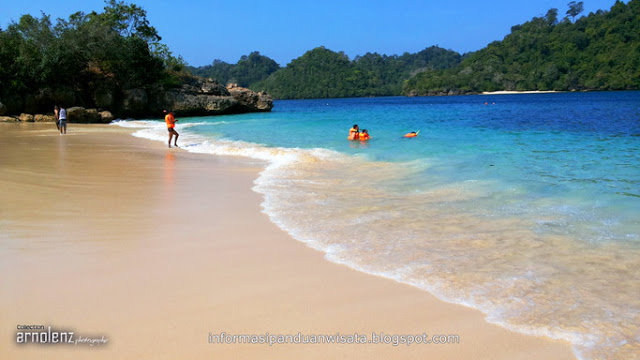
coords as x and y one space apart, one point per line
194 97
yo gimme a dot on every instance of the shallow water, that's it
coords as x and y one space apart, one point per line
527 209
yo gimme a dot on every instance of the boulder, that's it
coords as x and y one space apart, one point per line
44 118
8 119
76 114
79 114
105 116
250 100
25 117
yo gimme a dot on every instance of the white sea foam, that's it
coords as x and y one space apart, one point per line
436 240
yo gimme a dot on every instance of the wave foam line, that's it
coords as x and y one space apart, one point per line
282 160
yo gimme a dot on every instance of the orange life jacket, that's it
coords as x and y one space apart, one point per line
353 134
170 120
364 136
410 135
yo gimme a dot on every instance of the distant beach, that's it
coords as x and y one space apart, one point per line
512 92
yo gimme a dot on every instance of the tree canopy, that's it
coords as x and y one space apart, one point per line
600 51
247 71
322 73
87 59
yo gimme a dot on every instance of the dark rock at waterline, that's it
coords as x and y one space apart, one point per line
44 118
79 114
194 97
442 92
106 116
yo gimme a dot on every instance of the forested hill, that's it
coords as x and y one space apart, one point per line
600 51
246 72
323 73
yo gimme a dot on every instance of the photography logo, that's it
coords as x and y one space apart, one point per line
39 334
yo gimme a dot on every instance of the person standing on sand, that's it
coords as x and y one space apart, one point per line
62 120
56 115
170 119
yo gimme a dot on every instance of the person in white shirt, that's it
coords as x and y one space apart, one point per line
62 120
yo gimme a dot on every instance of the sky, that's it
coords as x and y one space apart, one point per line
203 30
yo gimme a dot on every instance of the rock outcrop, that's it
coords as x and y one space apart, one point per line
195 97
79 114
255 101
208 97
106 116
44 118
26 117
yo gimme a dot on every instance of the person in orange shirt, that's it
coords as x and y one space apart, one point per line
364 135
170 119
353 133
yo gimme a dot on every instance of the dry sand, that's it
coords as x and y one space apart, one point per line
153 248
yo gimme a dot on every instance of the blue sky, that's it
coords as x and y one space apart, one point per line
203 30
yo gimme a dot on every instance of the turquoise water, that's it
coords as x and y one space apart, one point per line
526 207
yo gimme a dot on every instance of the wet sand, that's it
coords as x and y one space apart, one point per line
115 236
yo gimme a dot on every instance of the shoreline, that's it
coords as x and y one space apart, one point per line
171 229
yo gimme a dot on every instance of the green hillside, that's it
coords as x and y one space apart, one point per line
247 71
600 51
322 73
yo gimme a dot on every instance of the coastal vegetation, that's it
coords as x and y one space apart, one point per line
115 60
110 60
246 72
323 73
600 51
87 59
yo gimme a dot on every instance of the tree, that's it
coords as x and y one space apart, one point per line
599 52
87 60
552 16
575 8
128 20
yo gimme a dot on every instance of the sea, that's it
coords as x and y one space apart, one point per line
524 206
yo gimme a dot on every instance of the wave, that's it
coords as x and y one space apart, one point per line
533 282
